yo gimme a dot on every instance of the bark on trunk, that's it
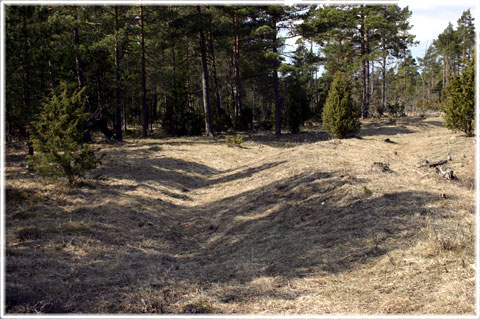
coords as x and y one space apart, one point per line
363 52
78 59
144 80
384 80
26 83
206 97
366 70
278 114
118 104
218 98
236 67
87 137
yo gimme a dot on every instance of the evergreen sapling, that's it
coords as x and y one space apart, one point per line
340 117
460 104
57 137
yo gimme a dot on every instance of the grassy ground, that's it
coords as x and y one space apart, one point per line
297 224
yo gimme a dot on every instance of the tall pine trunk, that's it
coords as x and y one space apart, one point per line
144 79
205 91
26 83
87 137
278 113
384 80
118 104
365 105
215 78
236 67
364 71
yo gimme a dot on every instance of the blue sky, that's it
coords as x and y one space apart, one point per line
431 17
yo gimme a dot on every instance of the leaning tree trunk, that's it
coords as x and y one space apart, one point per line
206 97
144 79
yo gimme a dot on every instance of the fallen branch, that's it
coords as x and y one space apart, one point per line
447 173
385 168
437 163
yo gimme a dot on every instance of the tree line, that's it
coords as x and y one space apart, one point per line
204 69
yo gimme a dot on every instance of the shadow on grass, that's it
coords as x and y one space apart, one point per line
434 123
310 224
179 174
372 129
305 136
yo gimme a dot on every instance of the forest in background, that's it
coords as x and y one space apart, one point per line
204 69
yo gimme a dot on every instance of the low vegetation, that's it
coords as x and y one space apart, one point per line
199 227
460 103
341 117
57 137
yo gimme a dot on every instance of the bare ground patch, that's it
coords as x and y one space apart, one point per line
190 225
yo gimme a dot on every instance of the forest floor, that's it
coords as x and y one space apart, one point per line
291 225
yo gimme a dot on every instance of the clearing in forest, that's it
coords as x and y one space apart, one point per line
297 224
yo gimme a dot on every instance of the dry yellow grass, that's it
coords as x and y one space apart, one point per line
292 225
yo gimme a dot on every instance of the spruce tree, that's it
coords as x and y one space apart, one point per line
460 104
340 116
57 136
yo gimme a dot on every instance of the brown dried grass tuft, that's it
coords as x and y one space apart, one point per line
296 224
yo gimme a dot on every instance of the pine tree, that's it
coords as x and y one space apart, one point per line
460 103
57 136
340 116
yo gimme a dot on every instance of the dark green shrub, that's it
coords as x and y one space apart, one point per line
460 104
193 124
266 125
396 109
221 121
297 105
57 137
244 121
341 118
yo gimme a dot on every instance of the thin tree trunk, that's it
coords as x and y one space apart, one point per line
215 78
372 79
363 48
447 71
365 105
26 83
443 73
87 137
125 113
278 114
144 79
205 91
254 103
367 84
78 59
384 80
154 106
168 114
118 105
236 67
190 99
